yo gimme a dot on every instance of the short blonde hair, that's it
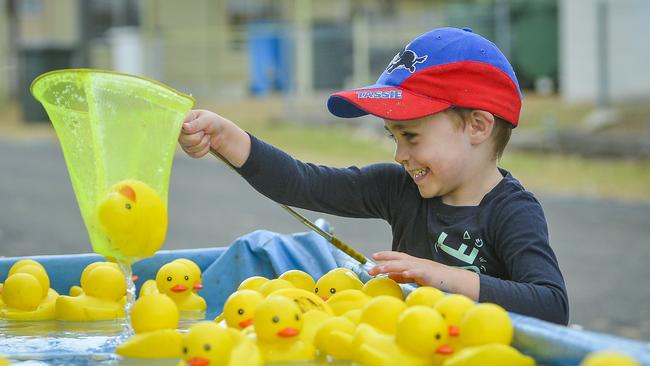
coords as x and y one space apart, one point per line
500 133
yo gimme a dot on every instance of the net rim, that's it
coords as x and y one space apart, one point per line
109 72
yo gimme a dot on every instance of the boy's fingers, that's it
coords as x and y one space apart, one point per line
191 116
205 140
200 123
190 140
400 278
388 255
391 266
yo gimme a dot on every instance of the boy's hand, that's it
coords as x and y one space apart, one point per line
200 128
204 130
405 268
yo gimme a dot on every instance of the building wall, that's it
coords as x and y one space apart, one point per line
628 50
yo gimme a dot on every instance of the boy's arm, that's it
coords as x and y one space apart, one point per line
350 192
353 192
536 286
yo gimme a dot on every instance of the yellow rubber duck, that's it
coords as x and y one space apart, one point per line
4 361
485 323
24 262
195 273
239 308
491 354
104 287
252 283
134 218
354 315
299 279
328 345
312 319
26 293
148 287
424 295
174 280
382 313
273 285
278 323
306 300
608 358
154 319
78 290
338 279
343 301
383 286
420 339
208 344
378 320
452 307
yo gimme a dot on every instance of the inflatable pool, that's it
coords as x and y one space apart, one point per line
260 253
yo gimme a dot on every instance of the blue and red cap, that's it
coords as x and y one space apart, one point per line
442 68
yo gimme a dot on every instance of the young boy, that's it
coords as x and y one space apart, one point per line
449 100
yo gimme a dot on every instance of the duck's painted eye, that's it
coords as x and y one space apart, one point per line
275 319
207 347
187 278
332 291
127 206
185 350
437 336
443 315
316 290
240 311
297 317
169 278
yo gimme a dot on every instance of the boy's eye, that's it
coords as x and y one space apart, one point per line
408 136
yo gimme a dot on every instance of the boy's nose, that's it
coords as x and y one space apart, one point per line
401 157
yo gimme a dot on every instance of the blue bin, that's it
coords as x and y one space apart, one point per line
269 51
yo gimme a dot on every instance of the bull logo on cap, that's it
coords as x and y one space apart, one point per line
405 59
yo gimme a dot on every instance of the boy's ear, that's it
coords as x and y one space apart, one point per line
481 124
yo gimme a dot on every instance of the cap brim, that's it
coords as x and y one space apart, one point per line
385 102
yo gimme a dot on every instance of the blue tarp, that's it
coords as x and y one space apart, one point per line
269 254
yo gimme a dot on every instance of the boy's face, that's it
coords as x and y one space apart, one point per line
433 150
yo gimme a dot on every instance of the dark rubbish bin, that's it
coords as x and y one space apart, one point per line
35 60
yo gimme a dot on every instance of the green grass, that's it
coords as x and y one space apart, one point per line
626 180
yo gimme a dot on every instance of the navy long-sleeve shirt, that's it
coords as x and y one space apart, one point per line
504 239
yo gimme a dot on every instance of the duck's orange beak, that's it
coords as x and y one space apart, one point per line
179 288
324 298
246 323
134 278
128 192
198 361
288 332
445 349
454 331
198 286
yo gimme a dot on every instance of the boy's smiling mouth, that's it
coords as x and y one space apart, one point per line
419 174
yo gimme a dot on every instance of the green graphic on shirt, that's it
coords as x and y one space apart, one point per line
457 253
